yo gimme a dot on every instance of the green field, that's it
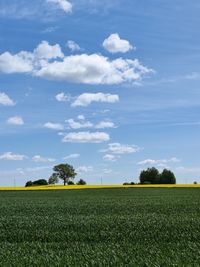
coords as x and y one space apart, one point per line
100 227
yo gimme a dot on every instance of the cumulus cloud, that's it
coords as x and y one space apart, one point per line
109 157
16 120
83 123
12 156
47 51
159 161
93 69
115 44
86 137
117 148
86 99
38 158
72 156
53 126
62 97
65 5
84 169
78 125
105 124
5 100
18 63
47 61
73 46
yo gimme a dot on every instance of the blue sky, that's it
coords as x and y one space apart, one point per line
111 87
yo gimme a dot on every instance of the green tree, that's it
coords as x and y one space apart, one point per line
29 183
53 179
64 172
167 177
151 175
81 182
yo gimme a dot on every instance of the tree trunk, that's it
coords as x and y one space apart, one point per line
64 182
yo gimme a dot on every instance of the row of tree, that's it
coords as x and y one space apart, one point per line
67 173
153 176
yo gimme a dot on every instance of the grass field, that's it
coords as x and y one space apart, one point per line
100 227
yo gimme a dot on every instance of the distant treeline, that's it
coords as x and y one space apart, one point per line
153 176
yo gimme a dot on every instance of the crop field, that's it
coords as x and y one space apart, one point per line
100 227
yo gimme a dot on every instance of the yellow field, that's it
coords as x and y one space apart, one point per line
76 187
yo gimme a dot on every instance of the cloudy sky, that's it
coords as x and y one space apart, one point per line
111 87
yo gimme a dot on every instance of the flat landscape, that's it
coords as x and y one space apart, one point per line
100 227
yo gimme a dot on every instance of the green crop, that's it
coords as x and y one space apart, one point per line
105 227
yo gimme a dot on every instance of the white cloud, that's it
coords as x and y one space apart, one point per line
18 63
109 157
86 99
82 123
81 117
78 125
62 97
86 137
73 46
117 148
54 126
16 120
38 158
93 69
115 44
159 161
105 124
12 156
5 100
83 68
72 156
47 51
84 169
65 5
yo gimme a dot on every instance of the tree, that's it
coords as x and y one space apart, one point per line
53 179
151 175
29 183
167 177
81 182
64 172
40 182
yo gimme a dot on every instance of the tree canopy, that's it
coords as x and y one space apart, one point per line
152 176
64 172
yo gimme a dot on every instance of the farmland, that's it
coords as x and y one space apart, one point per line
100 227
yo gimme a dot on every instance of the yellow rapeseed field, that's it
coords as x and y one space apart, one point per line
77 187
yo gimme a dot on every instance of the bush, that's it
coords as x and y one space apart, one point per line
40 182
70 183
81 182
131 183
29 183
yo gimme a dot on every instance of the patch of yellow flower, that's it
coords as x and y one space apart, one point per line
76 187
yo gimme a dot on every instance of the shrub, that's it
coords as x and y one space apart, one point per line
81 182
70 183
